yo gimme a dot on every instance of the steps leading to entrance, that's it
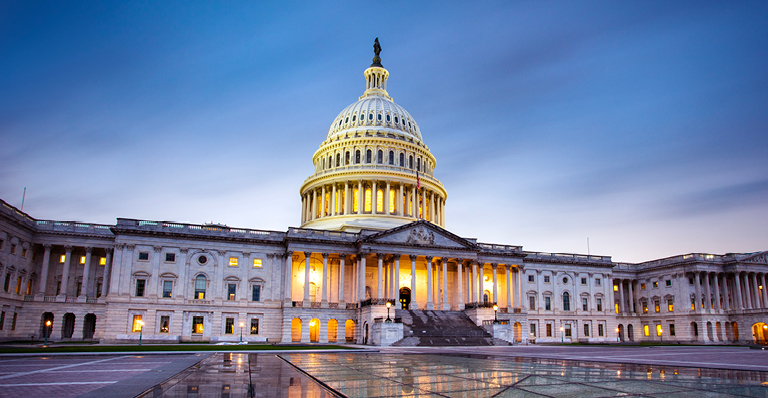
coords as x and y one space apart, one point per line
441 328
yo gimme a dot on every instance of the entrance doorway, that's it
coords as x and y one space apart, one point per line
760 332
405 298
68 326
89 326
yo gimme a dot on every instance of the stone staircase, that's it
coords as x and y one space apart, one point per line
442 328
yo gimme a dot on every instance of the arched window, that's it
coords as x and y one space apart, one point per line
387 118
379 116
566 301
402 160
410 162
368 156
338 159
418 164
397 120
357 156
346 160
330 161
322 165
200 283
380 157
353 117
370 116
391 157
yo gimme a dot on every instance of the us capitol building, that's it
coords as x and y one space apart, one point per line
372 235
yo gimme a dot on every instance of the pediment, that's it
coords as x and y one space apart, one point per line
761 258
421 233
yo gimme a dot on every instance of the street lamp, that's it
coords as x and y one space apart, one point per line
562 335
389 304
47 330
241 331
495 309
141 330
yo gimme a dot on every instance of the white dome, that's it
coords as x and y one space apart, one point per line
374 112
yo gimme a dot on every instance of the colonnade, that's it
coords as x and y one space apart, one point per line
713 292
382 197
68 288
469 285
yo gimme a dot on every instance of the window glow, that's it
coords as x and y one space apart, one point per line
103 261
233 261
367 199
379 201
137 323
615 288
355 200
392 201
670 306
63 258
82 259
646 331
616 306
257 263
658 330
327 203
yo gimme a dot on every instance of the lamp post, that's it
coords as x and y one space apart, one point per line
389 304
47 330
495 309
618 338
241 331
562 335
661 335
141 330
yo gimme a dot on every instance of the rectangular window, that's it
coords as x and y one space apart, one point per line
197 324
143 256
655 285
567 330
531 303
615 288
547 304
13 321
645 307
616 307
693 305
533 330
137 323
656 306
18 285
229 326
82 259
231 291
642 286
103 261
256 263
583 281
597 281
546 278
256 293
530 278
668 282
29 287
690 281
98 289
600 330
63 258
233 261
599 304
584 304
23 252
13 249
671 329
140 287
646 330
170 257
254 326
165 323
58 287
549 330
670 305
78 288
658 330
586 330
167 289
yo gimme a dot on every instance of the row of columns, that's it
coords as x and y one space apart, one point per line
87 268
340 201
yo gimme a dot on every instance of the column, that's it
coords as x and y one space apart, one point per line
755 292
748 291
361 286
726 293
475 296
307 267
621 296
397 279
107 272
325 281
155 277
288 281
65 273
347 199
415 200
632 296
87 272
432 202
480 280
707 292
322 202
737 289
430 304
400 210
380 280
459 282
495 284
334 201
386 200
509 287
424 203
717 306
374 198
342 257
413 305
446 304
44 272
765 291
360 193
303 209
314 203
697 290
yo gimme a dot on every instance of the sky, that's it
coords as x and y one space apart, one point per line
637 130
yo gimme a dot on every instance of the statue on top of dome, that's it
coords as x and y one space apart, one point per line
376 51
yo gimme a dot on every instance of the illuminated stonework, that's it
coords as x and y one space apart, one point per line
372 155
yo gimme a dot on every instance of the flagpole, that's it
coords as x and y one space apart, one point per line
23 196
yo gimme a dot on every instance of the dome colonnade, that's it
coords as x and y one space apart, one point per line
373 163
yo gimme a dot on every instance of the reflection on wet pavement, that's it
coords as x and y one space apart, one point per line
397 375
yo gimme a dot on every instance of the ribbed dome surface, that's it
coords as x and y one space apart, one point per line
374 112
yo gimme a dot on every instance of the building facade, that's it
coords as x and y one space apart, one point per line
371 232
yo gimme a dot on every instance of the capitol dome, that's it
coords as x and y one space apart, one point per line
373 170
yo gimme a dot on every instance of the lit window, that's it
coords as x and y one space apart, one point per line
23 252
254 326
164 323
616 307
143 256
137 323
645 308
167 288
646 331
670 306
170 257
655 285
233 261
257 263
367 199
656 306
29 287
549 330
103 261
392 201
82 259
658 330
197 324
642 286
18 285
615 288
140 283
63 258
229 326
231 288
200 283
379 201
355 200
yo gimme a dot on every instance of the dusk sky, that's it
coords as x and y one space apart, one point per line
642 126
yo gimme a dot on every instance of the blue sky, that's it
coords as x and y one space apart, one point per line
642 126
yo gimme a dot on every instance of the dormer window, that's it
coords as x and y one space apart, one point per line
370 116
379 116
388 119
353 117
397 120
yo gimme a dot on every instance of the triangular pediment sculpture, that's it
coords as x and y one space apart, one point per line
761 258
421 233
